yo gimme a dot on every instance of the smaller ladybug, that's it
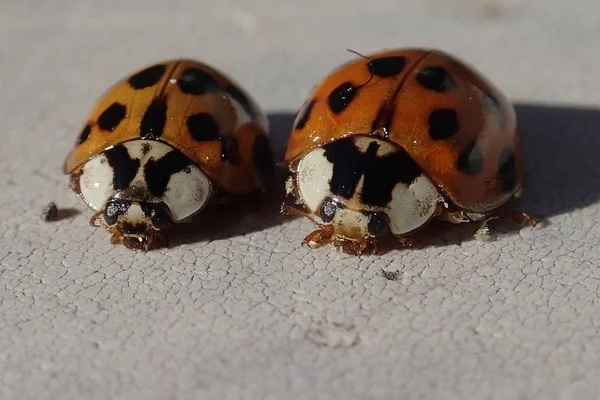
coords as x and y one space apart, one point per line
392 140
162 145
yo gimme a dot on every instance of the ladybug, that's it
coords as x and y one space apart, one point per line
390 141
164 143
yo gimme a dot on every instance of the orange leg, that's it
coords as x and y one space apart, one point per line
518 217
319 237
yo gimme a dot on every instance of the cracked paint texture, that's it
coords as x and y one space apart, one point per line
242 311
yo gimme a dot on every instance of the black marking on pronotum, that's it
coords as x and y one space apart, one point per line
443 123
436 78
304 115
85 133
154 119
470 159
196 81
124 167
341 96
242 98
158 172
203 127
263 158
507 170
381 173
147 77
112 116
146 148
386 67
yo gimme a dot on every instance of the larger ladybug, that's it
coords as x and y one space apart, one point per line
162 144
392 140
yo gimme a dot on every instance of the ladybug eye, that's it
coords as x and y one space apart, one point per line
160 218
328 210
378 224
112 210
158 215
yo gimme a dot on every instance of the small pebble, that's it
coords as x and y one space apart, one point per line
50 213
392 275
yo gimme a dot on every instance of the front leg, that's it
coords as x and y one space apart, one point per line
319 237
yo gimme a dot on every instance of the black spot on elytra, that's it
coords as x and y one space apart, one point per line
341 96
507 170
436 78
470 159
158 172
493 106
154 119
124 167
443 123
381 173
147 77
229 149
242 98
196 81
203 127
85 133
112 116
386 67
304 115
263 158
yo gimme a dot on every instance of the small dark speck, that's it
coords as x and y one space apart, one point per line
187 170
392 275
50 213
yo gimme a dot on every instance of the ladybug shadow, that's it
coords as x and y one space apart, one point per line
245 214
561 150
561 163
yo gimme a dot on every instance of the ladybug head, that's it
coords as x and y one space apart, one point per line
136 224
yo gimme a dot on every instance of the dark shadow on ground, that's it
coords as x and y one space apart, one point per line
245 214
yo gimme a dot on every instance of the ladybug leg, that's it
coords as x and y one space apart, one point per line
453 217
358 247
288 210
96 221
319 237
115 238
406 242
518 217
483 232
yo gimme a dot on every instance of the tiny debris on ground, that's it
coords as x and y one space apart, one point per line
50 212
392 275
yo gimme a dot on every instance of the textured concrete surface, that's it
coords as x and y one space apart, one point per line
244 312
